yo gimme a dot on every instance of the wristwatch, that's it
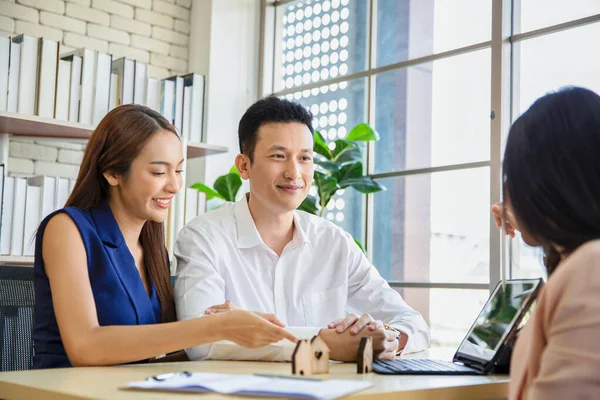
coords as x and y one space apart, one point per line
398 335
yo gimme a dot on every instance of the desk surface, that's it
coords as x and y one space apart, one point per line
104 382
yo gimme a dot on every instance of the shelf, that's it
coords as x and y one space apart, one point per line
195 150
10 260
31 125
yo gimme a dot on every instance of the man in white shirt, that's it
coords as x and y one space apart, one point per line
262 254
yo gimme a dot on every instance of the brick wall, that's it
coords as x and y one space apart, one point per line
155 32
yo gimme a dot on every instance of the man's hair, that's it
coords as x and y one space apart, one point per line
265 110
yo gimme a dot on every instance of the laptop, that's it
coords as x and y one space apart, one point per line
487 341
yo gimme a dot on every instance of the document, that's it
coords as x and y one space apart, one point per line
250 385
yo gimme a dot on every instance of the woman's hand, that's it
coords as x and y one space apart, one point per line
220 308
510 223
253 330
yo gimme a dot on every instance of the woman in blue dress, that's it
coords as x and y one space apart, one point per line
103 292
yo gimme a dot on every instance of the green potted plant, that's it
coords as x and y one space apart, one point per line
226 186
340 168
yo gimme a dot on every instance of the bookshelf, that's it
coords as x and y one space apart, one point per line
16 260
14 124
30 125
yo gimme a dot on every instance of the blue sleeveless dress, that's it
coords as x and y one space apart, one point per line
119 292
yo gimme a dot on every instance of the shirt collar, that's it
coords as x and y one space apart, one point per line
247 234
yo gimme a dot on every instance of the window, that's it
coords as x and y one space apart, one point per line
449 312
424 235
412 29
529 15
423 73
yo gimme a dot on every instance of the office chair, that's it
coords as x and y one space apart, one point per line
16 317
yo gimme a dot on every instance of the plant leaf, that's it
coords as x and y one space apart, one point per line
359 244
234 170
329 166
346 152
309 205
364 184
210 193
362 133
228 186
320 147
327 186
350 171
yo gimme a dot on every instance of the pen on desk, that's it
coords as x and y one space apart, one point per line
306 378
163 377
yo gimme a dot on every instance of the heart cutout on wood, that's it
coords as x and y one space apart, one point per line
318 354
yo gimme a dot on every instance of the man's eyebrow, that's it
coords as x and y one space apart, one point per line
283 148
277 147
165 163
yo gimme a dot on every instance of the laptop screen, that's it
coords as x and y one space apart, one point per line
496 318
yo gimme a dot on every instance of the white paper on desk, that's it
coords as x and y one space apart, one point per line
253 385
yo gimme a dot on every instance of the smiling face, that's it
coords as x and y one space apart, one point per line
154 177
281 172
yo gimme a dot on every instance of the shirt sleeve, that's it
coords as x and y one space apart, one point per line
570 361
369 293
198 285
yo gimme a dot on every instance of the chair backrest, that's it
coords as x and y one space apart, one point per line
16 317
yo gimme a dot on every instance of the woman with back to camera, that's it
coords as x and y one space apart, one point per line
103 292
552 195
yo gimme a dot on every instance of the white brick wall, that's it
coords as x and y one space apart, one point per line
131 26
62 22
17 11
55 6
155 32
87 14
169 35
154 18
114 7
7 24
182 26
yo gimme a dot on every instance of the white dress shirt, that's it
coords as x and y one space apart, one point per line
321 275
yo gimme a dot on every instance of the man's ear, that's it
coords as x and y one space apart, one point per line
242 162
111 178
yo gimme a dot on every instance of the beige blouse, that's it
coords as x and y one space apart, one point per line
557 355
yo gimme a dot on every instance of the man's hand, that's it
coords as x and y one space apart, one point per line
221 308
355 323
344 346
510 222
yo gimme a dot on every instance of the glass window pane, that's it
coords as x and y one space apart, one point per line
549 62
336 108
408 29
433 227
536 14
322 40
526 261
448 312
434 114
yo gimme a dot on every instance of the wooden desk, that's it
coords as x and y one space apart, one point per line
103 382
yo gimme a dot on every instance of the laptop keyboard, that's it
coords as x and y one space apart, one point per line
421 367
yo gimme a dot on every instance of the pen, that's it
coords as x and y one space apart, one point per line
307 378
170 375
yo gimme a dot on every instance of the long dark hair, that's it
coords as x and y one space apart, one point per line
115 143
552 171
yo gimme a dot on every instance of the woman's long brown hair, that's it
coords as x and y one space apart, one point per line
115 143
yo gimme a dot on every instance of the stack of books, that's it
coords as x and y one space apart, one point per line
83 85
25 203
